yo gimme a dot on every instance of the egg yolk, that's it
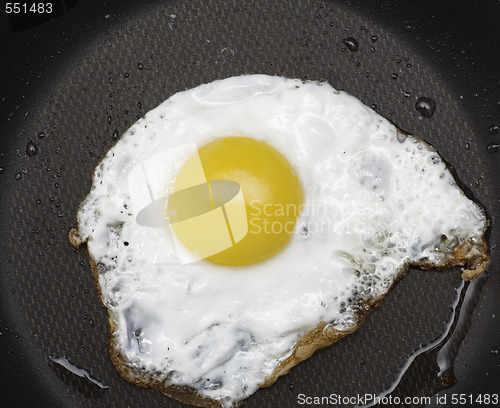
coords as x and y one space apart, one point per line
272 196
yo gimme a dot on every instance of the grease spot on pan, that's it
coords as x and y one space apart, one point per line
441 351
77 378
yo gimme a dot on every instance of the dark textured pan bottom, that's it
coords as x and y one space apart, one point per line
71 86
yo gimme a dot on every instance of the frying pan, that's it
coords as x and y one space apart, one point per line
72 84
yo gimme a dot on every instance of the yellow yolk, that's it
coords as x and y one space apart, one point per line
272 197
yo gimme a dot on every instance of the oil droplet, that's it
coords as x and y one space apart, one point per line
140 66
372 49
114 136
351 43
18 176
2 169
373 106
31 148
426 106
394 75
493 129
493 147
126 75
406 94
109 119
41 135
63 361
374 38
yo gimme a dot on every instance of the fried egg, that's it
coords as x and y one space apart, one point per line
243 224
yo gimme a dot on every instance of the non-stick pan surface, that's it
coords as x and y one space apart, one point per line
72 84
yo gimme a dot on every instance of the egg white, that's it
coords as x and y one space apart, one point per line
375 201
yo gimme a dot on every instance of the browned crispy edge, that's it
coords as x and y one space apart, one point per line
132 374
470 255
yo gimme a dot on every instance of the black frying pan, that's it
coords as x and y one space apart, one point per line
72 84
